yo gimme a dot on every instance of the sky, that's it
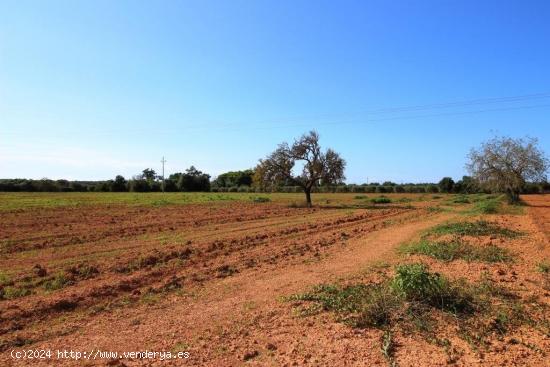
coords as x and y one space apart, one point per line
401 89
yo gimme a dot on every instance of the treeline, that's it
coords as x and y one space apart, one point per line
466 185
148 181
193 180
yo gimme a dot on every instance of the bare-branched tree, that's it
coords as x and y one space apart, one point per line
318 168
505 164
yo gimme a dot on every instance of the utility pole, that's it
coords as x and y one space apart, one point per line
163 161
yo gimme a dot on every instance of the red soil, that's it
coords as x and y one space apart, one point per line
208 279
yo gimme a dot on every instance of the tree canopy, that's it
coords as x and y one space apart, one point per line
318 168
507 164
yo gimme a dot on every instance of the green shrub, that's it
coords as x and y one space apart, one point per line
417 284
380 200
380 307
491 206
453 250
360 305
360 197
477 228
14 292
544 267
59 281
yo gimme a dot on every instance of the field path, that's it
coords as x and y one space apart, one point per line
228 318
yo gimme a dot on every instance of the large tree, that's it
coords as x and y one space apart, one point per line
193 180
149 174
318 167
446 184
506 164
234 178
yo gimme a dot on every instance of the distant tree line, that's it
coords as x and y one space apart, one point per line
147 181
241 181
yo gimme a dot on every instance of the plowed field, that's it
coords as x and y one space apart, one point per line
203 277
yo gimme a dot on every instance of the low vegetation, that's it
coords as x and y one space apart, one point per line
476 228
461 199
457 249
381 200
416 299
490 206
412 288
60 280
261 199
544 267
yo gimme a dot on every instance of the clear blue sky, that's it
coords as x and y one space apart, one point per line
91 89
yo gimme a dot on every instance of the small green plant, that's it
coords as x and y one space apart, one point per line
417 284
160 202
59 281
477 228
388 347
544 267
435 209
261 199
360 197
381 200
4 279
457 249
381 307
83 271
359 305
11 292
491 206
461 199
404 200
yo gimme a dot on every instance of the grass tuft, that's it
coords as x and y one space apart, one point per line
490 206
11 292
380 200
60 280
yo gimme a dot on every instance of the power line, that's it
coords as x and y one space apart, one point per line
433 106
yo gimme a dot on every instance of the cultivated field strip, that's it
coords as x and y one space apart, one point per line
190 252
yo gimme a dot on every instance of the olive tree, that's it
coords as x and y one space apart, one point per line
506 164
318 167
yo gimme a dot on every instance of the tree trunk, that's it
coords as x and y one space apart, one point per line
513 196
308 197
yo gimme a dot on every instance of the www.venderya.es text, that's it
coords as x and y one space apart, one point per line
96 354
